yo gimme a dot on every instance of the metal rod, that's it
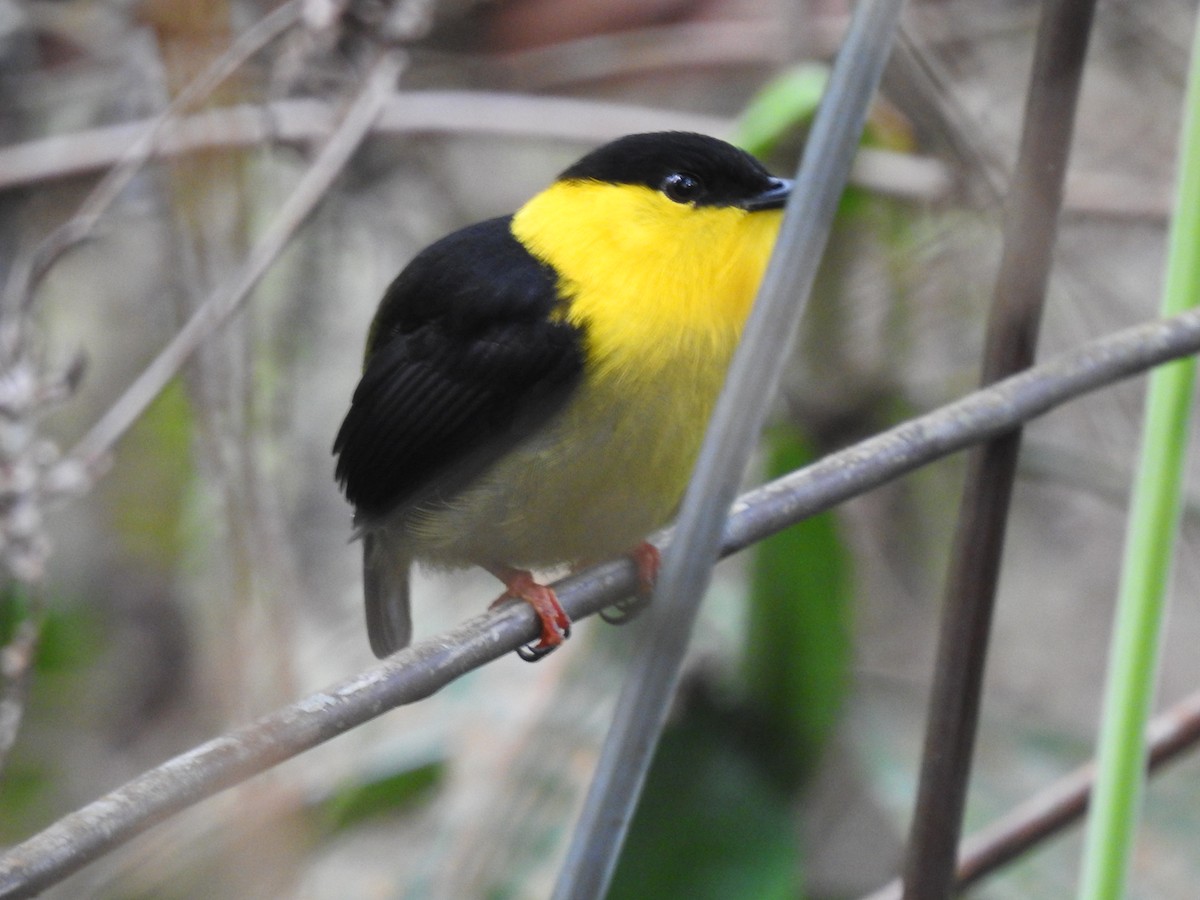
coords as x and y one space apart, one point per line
741 411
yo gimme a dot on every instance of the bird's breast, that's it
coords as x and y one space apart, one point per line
609 469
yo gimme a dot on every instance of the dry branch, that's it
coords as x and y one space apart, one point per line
228 297
415 673
688 45
125 156
309 121
1052 809
1030 232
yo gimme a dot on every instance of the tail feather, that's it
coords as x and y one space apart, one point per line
385 588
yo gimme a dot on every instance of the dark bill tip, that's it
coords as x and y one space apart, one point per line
774 197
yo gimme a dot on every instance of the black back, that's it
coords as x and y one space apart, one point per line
463 361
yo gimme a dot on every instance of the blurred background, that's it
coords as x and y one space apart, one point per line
209 577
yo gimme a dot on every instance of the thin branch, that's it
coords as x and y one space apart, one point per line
690 45
1049 811
247 44
1103 195
1171 733
306 121
137 144
32 473
1014 322
917 74
737 420
420 670
529 116
227 298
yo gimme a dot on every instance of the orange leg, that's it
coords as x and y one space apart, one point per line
647 560
556 625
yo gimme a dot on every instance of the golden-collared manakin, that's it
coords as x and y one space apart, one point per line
537 386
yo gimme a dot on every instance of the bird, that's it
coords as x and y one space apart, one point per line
536 386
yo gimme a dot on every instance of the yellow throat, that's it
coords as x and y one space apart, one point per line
654 283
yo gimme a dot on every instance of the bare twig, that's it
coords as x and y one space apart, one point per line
1052 809
917 74
523 115
308 121
227 298
137 145
422 669
32 473
1102 195
690 45
1029 235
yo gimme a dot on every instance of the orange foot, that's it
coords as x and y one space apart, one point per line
647 560
556 625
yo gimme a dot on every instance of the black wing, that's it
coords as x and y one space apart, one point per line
463 360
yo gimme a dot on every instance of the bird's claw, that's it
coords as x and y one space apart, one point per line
533 652
646 560
625 611
556 625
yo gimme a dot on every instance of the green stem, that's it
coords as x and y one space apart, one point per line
1153 523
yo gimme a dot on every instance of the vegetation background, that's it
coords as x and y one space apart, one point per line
207 577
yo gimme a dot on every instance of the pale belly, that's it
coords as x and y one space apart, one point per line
619 476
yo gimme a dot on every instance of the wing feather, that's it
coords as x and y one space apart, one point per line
465 358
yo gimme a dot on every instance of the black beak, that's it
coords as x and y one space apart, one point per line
772 198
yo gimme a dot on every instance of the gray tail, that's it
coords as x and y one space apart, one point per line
385 587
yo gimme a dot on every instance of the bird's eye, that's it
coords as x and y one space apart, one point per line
681 187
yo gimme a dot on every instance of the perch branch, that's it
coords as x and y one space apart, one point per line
88 833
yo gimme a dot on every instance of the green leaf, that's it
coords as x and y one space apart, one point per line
1151 537
24 789
783 104
798 649
371 799
68 634
150 480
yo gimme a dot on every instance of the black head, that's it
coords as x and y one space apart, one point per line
686 168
